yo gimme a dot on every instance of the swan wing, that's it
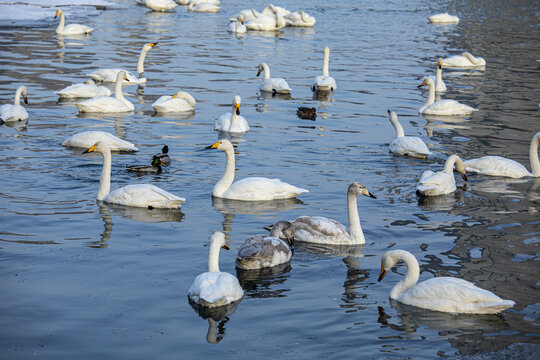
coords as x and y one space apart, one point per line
448 107
260 189
86 139
83 91
319 229
144 195
77 29
169 104
104 104
410 146
109 75
275 85
497 166
13 112
259 251
223 123
215 289
439 183
324 83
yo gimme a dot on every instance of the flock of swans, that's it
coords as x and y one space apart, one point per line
215 288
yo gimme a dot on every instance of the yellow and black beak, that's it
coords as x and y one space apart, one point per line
213 146
440 63
383 273
237 109
57 13
92 149
259 71
423 83
464 176
153 44
226 245
174 96
25 99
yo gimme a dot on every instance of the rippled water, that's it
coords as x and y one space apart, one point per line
83 280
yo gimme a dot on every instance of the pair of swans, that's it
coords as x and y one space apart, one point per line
137 195
88 89
446 294
71 29
179 102
107 104
442 182
86 139
324 82
110 75
232 122
252 188
442 107
15 112
272 85
465 60
500 166
158 5
443 18
406 145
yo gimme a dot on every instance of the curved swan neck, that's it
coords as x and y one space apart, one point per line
266 71
105 181
438 79
471 58
326 61
533 155
355 229
118 87
61 24
213 257
18 95
431 96
411 278
450 162
228 178
399 129
140 63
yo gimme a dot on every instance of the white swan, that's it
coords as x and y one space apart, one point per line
86 90
299 19
252 188
246 14
260 251
406 145
322 230
440 86
273 85
324 82
443 18
71 29
215 288
206 7
86 139
15 112
138 195
272 9
446 294
441 182
109 75
158 5
465 60
232 122
266 23
442 107
237 25
179 102
107 104
499 166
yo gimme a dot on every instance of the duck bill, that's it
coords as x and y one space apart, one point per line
382 274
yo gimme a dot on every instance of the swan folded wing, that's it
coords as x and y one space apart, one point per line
497 166
144 195
104 104
75 29
11 112
259 251
259 189
409 145
449 107
86 139
215 289
83 91
439 183
278 85
319 229
109 75
168 104
223 122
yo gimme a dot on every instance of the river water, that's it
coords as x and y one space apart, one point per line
84 280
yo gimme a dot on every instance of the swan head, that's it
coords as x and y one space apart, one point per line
283 230
392 115
58 12
149 46
90 82
222 144
261 68
358 189
100 146
241 19
389 259
121 76
236 104
427 81
440 63
24 93
461 168
218 238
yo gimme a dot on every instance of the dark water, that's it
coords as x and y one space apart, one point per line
86 280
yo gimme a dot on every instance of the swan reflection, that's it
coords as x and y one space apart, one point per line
227 206
261 283
217 318
265 95
144 215
442 202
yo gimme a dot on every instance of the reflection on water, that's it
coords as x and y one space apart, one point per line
145 215
263 283
270 207
442 202
215 315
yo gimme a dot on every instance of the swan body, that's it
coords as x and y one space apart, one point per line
107 104
179 102
232 122
249 189
154 167
158 5
500 166
299 19
86 139
109 75
87 90
273 85
246 14
71 29
206 7
406 145
441 182
237 25
215 288
15 112
324 82
446 294
275 10
163 156
442 107
138 195
322 230
260 251
465 60
266 23
443 18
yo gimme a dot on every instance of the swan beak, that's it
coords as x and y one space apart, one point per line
440 63
241 20
422 84
464 176
126 78
367 193
174 96
25 99
57 13
226 246
92 149
259 71
237 109
213 146
383 273
153 44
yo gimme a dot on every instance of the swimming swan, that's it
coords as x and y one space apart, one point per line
441 182
300 19
324 82
442 107
71 29
406 145
443 18
15 112
273 85
322 230
87 90
465 60
237 25
232 122
266 23
440 86
499 166
246 14
86 139
179 102
203 6
215 288
252 188
109 75
108 104
158 5
137 195
260 251
446 294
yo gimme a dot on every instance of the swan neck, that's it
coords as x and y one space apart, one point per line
438 79
213 257
449 164
355 229
398 127
18 96
325 62
431 96
118 89
410 279
61 24
140 63
105 181
533 155
228 178
266 71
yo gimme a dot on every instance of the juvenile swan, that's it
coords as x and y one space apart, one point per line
406 145
71 29
138 195
273 85
441 182
260 251
232 122
249 189
446 294
108 104
321 230
215 288
324 82
15 112
499 166
442 107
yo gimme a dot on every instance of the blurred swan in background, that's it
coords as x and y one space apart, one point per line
465 60
158 5
237 25
179 102
86 139
443 18
299 19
